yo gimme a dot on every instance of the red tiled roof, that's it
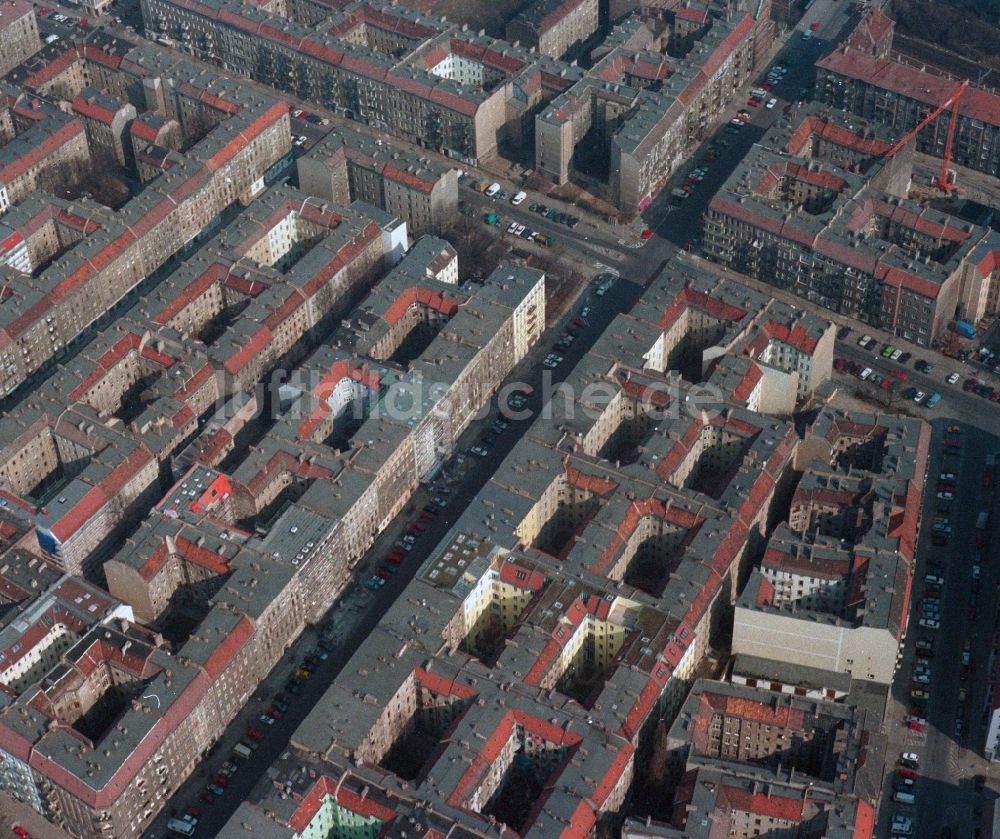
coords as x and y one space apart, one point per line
277 112
91 108
196 381
144 131
436 683
794 336
65 133
762 804
112 483
750 379
326 787
423 297
814 126
249 351
227 649
342 369
79 514
496 741
219 490
864 821
409 179
692 14
910 82
513 574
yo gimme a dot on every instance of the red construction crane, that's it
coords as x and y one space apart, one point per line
944 177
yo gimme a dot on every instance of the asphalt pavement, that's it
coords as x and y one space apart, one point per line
947 801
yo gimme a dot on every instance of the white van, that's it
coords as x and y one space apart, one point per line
242 751
182 827
492 190
517 199
904 797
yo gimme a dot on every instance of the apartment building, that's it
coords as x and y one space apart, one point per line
49 148
834 584
749 762
400 71
554 27
646 109
19 37
858 76
593 567
348 166
791 217
119 250
107 122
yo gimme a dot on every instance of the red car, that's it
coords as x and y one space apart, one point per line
814 26
753 103
254 734
909 774
221 780
987 478
916 724
766 86
887 383
902 375
207 797
274 713
385 575
194 812
646 234
20 831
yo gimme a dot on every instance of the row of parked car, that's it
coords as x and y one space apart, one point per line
553 214
186 823
980 388
937 572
